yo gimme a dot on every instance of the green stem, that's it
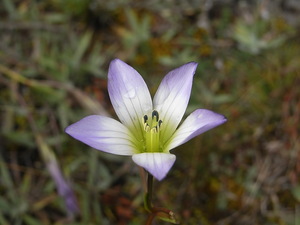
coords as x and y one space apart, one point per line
162 213
148 195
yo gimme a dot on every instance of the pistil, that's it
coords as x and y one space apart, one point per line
152 130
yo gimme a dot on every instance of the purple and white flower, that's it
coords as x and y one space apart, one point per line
148 129
63 187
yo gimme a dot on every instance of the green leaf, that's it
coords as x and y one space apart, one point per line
296 192
6 179
82 47
31 220
168 218
24 138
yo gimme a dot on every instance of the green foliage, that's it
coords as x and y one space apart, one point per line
54 57
256 36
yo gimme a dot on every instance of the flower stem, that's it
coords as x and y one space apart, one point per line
150 219
162 213
148 197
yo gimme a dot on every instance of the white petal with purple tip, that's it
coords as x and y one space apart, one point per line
104 134
158 164
129 94
196 123
172 97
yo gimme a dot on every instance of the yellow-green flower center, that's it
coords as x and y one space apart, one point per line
152 127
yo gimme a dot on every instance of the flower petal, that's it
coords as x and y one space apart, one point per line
104 134
63 187
172 97
196 123
129 94
158 164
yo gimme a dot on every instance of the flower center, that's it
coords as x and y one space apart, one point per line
152 130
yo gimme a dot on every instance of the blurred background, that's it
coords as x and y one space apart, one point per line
54 57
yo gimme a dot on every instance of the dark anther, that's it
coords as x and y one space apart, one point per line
145 119
159 123
155 113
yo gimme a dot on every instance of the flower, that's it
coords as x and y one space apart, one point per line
63 187
147 129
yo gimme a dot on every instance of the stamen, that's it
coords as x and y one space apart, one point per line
155 114
147 128
159 123
145 119
152 132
